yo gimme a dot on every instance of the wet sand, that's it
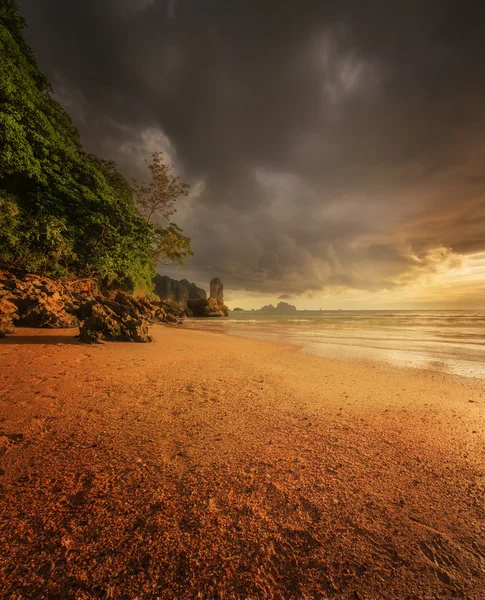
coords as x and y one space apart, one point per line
211 466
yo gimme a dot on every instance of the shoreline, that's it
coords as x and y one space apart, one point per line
342 356
223 465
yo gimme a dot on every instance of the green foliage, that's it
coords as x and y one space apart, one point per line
8 223
43 244
11 18
63 210
170 245
157 199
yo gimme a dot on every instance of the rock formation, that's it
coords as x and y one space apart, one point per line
47 311
217 291
8 312
285 306
123 318
214 306
177 293
281 306
33 301
39 301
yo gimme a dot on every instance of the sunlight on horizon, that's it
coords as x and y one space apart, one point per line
459 287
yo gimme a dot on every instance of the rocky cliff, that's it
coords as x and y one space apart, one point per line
177 293
34 301
214 306
41 302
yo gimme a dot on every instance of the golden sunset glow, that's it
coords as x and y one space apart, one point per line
242 300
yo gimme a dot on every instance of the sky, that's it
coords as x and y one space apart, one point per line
335 150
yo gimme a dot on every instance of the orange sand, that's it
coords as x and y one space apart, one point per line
212 467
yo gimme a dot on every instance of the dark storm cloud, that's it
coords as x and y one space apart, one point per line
329 143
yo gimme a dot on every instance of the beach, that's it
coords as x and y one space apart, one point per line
452 341
205 465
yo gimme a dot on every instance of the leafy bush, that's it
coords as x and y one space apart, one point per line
62 210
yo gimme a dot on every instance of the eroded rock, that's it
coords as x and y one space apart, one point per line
217 290
111 321
32 301
206 308
8 312
177 294
217 294
47 312
214 306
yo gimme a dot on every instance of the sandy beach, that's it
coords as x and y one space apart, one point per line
215 467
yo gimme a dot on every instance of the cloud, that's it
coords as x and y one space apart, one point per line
130 6
330 146
345 74
138 146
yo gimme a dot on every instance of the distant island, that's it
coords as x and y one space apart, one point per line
237 309
279 306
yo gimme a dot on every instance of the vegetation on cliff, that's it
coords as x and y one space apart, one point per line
64 211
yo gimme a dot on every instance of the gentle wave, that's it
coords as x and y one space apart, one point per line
453 341
299 320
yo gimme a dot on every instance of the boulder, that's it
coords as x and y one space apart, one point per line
33 301
8 312
121 319
110 321
206 308
46 312
172 319
153 312
39 302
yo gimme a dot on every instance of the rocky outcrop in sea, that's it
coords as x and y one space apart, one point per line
280 306
177 293
191 300
213 306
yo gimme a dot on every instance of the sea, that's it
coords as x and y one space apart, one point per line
444 340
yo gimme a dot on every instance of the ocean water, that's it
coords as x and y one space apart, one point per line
451 341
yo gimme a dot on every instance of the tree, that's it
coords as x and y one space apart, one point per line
159 196
62 211
170 245
157 199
